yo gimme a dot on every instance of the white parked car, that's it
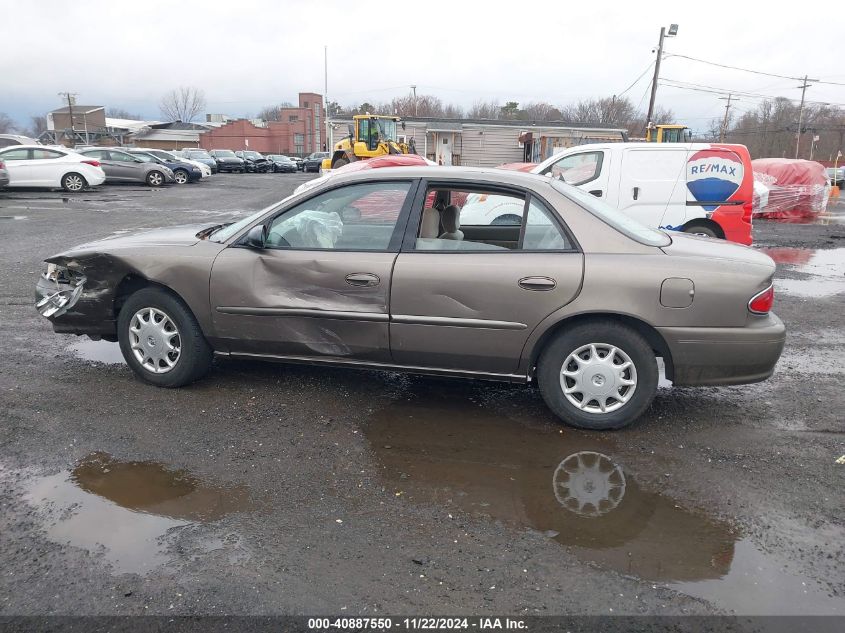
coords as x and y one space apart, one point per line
50 167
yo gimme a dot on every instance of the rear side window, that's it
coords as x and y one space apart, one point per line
486 220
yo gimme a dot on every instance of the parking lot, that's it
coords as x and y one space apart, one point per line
295 489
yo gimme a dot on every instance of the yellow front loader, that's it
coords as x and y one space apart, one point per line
370 135
668 133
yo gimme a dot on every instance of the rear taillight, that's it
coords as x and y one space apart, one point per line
2 165
761 303
93 163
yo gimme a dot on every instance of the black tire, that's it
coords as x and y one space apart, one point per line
195 356
340 162
701 229
629 342
73 182
183 174
155 178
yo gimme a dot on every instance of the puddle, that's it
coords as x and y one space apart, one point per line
104 352
571 487
13 217
125 510
825 268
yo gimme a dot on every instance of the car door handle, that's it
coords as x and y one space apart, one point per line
362 279
596 192
636 192
537 283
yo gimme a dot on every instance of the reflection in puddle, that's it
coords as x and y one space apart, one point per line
97 351
826 268
125 509
570 487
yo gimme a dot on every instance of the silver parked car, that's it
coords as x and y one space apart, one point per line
375 269
122 167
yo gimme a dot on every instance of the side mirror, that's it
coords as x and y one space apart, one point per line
351 131
257 237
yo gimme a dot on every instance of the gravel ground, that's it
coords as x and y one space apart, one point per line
273 489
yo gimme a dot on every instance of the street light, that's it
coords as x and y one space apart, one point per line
673 31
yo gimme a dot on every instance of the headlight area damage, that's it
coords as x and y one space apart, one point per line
58 290
76 293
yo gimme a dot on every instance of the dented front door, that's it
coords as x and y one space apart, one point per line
302 303
320 286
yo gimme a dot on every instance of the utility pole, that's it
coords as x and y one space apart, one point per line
70 97
803 87
326 94
414 90
723 132
673 31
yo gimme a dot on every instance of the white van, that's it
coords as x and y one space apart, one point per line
694 187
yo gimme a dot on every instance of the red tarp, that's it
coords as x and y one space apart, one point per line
796 188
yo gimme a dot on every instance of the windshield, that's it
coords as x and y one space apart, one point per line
197 155
618 220
386 129
226 153
226 232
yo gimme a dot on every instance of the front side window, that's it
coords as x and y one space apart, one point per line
121 157
480 220
147 158
577 169
359 217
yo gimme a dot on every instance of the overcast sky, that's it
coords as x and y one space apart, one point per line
247 54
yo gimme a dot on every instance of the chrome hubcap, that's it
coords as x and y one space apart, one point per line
74 183
598 378
155 179
154 340
181 178
589 484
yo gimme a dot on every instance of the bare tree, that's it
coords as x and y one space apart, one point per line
6 123
485 110
120 113
540 111
274 112
182 104
37 125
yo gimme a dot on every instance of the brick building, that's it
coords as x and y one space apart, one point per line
298 132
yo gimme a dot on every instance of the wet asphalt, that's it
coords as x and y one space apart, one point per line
274 489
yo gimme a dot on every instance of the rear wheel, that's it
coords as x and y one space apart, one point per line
598 375
73 182
161 340
698 228
180 176
155 179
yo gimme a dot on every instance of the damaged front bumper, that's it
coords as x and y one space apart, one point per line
58 289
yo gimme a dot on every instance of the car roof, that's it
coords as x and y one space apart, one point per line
55 147
489 174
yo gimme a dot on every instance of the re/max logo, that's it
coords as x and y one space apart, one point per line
712 168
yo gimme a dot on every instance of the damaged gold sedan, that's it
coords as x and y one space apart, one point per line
449 271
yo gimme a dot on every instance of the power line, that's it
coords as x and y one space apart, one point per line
723 91
748 70
637 80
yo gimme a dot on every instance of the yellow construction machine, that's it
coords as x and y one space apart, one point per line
666 133
370 135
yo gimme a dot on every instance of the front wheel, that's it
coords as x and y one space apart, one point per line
73 182
599 375
161 340
155 179
180 176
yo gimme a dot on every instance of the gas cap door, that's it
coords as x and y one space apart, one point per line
677 292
